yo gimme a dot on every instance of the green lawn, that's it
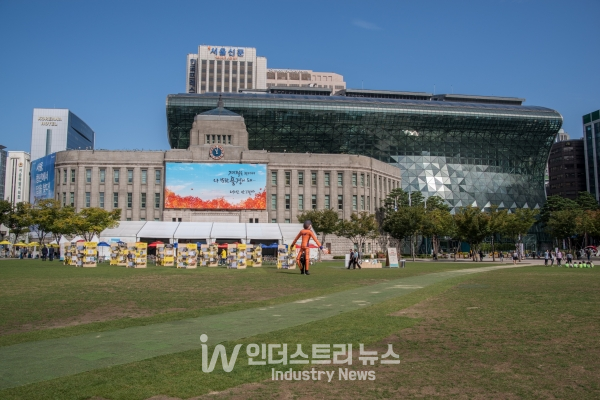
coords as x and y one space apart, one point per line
36 296
530 332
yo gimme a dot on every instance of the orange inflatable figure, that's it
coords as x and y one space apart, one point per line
306 235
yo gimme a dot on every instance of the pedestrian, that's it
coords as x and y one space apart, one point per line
501 255
551 259
357 260
588 253
44 253
351 262
223 257
515 257
480 255
559 256
569 257
546 257
51 253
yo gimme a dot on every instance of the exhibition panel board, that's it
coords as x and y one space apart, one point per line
187 255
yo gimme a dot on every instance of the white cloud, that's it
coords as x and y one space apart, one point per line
366 25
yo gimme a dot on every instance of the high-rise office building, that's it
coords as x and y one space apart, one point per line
16 183
566 167
305 78
591 139
2 170
58 129
225 69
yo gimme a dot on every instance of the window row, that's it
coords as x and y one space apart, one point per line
69 175
364 206
115 199
362 179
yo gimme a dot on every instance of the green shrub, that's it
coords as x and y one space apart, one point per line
339 257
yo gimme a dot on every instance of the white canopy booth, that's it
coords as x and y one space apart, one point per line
289 232
193 232
228 231
153 230
126 232
263 233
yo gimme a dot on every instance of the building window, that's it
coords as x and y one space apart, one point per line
129 176
300 178
368 180
273 202
340 202
88 175
362 202
156 200
327 202
327 178
142 219
362 180
143 200
313 178
116 200
354 179
144 176
273 220
102 175
64 198
313 201
368 203
129 200
300 202
287 221
157 175
128 219
156 219
87 199
72 176
354 201
72 199
101 200
116 176
288 178
340 179
287 201
64 176
273 177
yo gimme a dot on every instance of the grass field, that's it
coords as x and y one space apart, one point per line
530 332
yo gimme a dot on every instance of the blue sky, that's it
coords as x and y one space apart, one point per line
114 62
187 179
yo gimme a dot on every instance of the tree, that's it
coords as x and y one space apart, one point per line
18 219
43 214
5 209
472 226
586 201
359 228
403 223
438 221
65 223
93 220
556 203
518 223
324 222
497 225
562 225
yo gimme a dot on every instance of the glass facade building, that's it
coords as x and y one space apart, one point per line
466 153
591 142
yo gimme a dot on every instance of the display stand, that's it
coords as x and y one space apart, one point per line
71 254
249 255
160 254
286 259
114 253
213 255
141 255
242 256
370 264
257 256
231 255
187 255
90 256
169 256
130 255
204 255
122 259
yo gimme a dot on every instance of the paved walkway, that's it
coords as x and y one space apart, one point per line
31 362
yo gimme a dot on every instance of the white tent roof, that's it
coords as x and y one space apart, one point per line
158 229
289 231
193 230
125 229
263 232
225 230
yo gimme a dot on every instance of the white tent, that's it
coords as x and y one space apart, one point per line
226 230
193 230
268 232
158 230
289 232
125 232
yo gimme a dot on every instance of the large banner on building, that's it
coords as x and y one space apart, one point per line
207 186
42 178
